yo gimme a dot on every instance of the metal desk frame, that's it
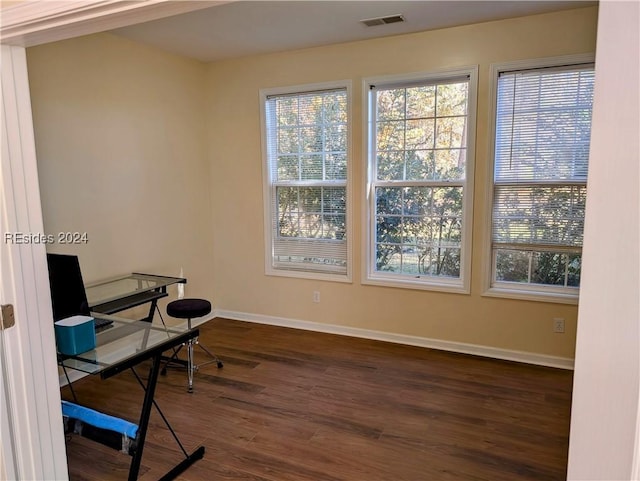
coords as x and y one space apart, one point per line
90 362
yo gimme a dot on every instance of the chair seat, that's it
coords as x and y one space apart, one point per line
188 308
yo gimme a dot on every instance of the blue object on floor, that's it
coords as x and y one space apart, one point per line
99 420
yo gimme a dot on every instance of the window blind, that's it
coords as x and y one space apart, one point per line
543 126
307 157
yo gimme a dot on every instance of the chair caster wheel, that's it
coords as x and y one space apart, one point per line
220 364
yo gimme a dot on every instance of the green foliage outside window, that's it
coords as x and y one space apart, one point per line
420 147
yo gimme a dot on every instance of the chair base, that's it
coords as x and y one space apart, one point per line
195 308
188 363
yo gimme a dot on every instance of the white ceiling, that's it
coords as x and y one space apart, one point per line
244 28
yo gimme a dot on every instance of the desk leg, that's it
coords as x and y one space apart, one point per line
144 418
152 311
154 304
148 402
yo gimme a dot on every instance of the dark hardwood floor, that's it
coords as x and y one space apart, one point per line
293 405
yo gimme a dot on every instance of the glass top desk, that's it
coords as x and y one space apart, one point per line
123 346
126 292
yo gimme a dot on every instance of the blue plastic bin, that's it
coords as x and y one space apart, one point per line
75 334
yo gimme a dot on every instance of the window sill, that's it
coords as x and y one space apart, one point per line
317 276
455 287
531 295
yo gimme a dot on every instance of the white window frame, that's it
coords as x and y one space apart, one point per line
370 276
528 292
268 185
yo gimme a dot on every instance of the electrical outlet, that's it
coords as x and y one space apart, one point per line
316 296
558 325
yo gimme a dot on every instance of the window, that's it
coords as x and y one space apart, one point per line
420 159
306 211
541 155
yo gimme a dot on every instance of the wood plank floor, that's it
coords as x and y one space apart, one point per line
293 405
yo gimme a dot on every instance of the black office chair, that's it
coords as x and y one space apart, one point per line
189 309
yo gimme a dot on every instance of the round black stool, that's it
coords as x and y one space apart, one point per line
189 309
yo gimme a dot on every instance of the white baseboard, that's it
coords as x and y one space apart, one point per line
460 347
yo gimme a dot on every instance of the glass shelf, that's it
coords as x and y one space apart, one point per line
126 286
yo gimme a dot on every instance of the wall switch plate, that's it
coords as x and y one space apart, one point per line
316 296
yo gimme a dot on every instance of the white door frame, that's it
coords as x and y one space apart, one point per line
34 447
32 443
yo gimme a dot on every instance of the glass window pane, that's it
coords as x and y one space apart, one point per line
411 226
451 132
450 164
419 134
334 200
420 165
288 167
390 104
417 201
388 258
447 231
288 141
288 211
287 199
390 135
435 261
310 112
311 167
390 166
336 138
426 235
311 139
512 266
447 202
310 225
389 229
389 200
311 199
336 166
421 102
335 108
448 262
410 260
287 111
288 225
574 269
548 268
334 227
452 99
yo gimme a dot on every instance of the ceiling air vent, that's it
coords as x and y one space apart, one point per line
372 22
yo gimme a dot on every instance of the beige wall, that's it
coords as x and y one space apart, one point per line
235 156
121 147
133 142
